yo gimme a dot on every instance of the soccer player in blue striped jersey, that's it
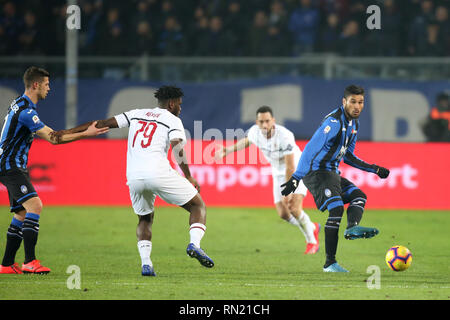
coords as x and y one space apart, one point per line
319 168
21 124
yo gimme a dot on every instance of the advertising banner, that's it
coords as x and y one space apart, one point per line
93 172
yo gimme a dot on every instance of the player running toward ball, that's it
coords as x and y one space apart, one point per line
278 146
318 168
149 174
21 124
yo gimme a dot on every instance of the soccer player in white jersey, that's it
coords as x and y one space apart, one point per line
149 174
278 146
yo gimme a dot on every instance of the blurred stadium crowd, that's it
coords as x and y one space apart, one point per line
228 27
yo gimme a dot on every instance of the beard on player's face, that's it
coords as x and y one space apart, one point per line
353 106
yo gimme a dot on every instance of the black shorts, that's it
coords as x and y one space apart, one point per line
328 188
19 187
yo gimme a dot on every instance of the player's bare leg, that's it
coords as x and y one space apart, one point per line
144 237
197 228
30 231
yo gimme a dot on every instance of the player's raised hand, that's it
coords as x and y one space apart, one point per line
383 173
93 131
289 186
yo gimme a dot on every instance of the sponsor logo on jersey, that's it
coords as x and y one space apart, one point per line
35 119
151 114
327 129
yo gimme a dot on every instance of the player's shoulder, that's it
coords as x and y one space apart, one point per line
253 128
334 118
283 130
27 112
252 132
167 118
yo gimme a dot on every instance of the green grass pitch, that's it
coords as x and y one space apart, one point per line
257 257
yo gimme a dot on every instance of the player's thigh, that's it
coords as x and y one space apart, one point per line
173 188
277 181
142 197
325 186
20 190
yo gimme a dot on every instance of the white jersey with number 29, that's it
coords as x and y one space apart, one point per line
149 135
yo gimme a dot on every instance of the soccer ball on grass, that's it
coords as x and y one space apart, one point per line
398 258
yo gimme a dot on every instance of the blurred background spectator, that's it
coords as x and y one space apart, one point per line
229 27
437 125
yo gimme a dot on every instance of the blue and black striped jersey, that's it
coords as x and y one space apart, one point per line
21 123
333 141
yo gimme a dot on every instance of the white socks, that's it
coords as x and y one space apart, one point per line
145 249
196 233
307 226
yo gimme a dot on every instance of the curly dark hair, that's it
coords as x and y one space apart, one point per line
168 92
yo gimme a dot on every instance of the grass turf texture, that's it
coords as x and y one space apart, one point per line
257 257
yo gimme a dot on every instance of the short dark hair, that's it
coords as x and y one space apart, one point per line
168 92
33 74
264 109
353 90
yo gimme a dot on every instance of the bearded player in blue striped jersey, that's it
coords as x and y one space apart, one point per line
318 168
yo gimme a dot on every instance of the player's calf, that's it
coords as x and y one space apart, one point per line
356 208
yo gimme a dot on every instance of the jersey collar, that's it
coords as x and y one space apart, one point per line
31 104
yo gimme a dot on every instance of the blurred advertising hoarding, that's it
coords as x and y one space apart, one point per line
93 172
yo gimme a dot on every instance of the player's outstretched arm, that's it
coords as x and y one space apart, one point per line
108 123
222 151
52 136
180 158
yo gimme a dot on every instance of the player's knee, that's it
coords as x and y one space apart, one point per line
358 194
358 198
20 215
294 205
33 205
335 216
146 219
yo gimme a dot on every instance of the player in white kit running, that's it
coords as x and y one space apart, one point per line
149 174
279 148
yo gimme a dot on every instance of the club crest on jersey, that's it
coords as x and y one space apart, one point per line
327 129
24 189
35 119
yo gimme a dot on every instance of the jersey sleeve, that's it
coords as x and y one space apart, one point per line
354 161
30 119
176 130
123 119
326 132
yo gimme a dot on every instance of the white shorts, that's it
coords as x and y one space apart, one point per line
169 186
278 181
